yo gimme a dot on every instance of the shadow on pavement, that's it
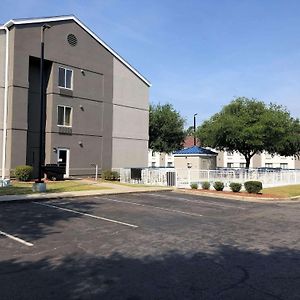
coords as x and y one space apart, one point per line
229 273
31 221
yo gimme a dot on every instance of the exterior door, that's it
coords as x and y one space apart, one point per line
63 160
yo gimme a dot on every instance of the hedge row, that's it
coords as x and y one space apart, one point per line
253 187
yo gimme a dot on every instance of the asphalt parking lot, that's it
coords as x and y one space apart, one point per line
149 246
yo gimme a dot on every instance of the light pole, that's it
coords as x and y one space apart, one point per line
42 105
195 141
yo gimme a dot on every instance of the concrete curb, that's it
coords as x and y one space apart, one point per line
51 196
241 198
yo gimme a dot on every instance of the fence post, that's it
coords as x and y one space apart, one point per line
96 175
189 177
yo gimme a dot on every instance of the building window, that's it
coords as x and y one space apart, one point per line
284 165
153 164
65 78
229 153
170 164
229 165
242 165
64 116
153 154
269 165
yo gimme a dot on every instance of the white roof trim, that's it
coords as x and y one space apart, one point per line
67 18
194 154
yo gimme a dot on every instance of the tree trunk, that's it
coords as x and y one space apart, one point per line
248 160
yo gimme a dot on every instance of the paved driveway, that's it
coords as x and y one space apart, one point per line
149 246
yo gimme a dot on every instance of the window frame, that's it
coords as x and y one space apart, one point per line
65 81
64 116
284 166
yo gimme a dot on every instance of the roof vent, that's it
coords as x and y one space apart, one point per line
72 39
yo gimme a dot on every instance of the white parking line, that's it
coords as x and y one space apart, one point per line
87 215
16 239
197 201
151 206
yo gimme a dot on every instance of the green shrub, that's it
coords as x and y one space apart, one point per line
12 173
253 187
205 185
110 175
194 186
24 173
235 186
219 186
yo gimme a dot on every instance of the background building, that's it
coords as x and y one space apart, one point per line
97 104
160 160
228 159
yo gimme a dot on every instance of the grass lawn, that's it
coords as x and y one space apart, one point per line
20 188
284 191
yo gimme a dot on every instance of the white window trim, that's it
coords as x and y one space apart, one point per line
66 69
71 116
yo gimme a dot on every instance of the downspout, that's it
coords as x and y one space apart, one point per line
4 136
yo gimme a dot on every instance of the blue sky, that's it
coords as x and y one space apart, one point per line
198 54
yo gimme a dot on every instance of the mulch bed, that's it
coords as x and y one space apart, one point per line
229 193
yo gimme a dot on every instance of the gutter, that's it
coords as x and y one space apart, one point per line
5 105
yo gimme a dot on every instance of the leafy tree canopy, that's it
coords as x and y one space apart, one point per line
190 131
166 128
250 127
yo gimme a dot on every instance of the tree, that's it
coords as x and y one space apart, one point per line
250 127
166 128
190 131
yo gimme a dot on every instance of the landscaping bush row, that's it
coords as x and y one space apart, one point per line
25 173
110 175
253 187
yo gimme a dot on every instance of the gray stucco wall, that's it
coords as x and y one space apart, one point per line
196 162
91 97
109 102
256 161
220 159
2 73
2 60
130 119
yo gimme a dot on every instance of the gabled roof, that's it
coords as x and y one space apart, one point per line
73 18
195 150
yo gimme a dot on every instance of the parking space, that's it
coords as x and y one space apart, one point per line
149 246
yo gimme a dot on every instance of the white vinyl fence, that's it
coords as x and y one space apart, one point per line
151 176
182 178
268 178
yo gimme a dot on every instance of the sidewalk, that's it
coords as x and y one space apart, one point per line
112 189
